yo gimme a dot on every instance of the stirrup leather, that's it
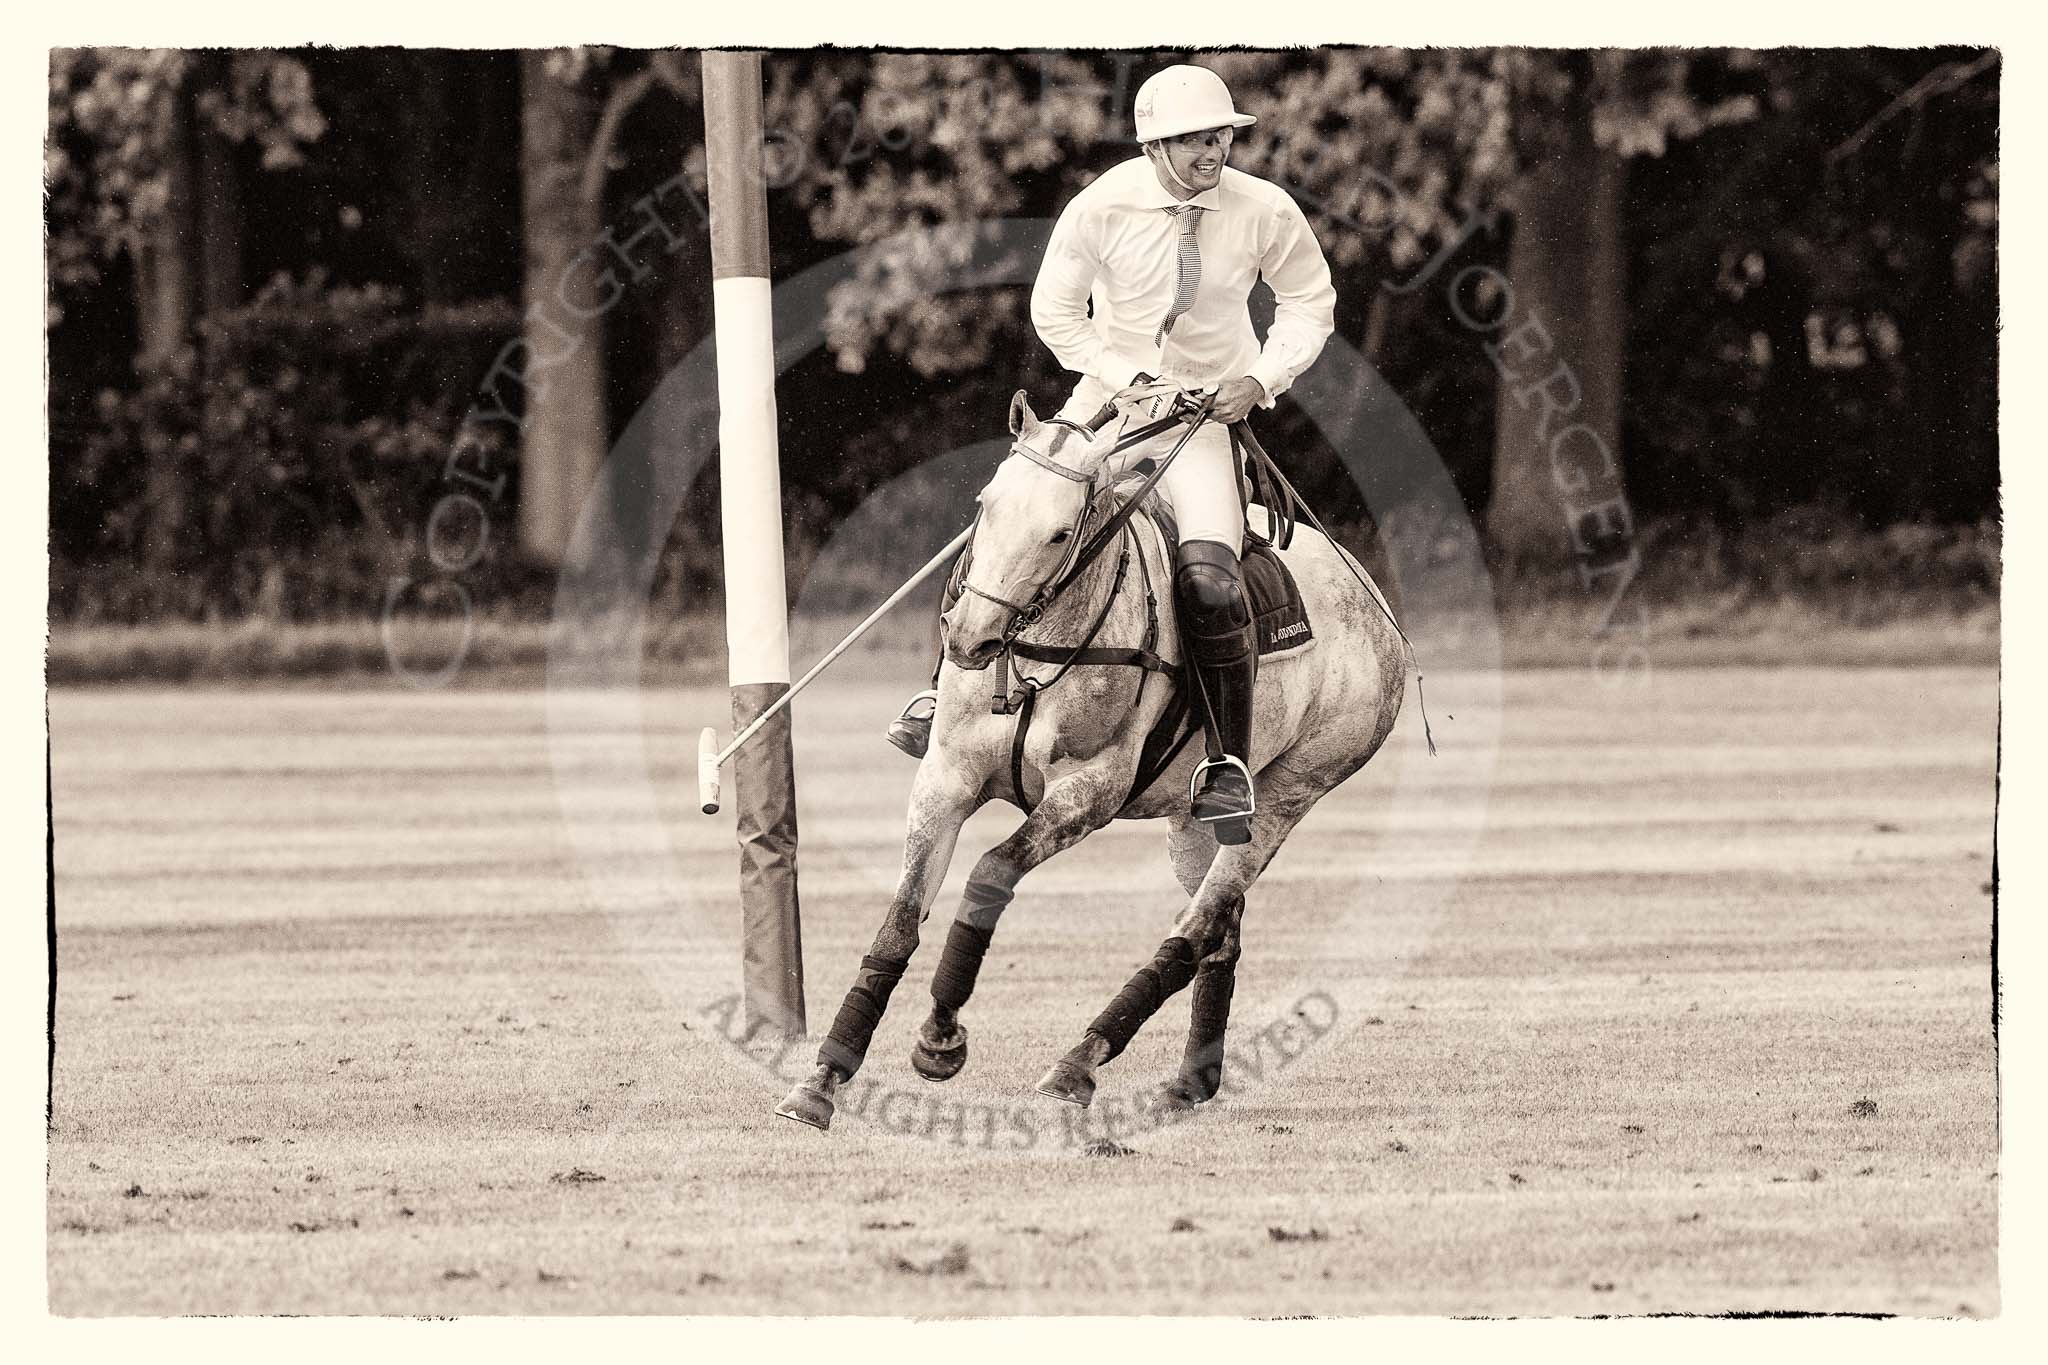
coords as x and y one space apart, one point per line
910 706
1251 787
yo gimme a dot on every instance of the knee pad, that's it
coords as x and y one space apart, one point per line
1214 610
1209 585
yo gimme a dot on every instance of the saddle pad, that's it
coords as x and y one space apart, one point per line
1279 616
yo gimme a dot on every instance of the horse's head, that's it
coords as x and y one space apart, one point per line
1027 533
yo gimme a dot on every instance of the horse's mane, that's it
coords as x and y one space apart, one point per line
1125 485
1121 487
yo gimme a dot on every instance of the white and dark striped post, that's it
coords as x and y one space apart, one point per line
756 605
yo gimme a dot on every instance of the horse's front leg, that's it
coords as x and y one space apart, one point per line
939 805
1074 807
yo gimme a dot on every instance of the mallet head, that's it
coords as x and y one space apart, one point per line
707 770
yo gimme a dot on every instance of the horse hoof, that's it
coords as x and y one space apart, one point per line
1183 1093
1068 1083
807 1105
939 1064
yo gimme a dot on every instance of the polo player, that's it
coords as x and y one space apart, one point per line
1167 247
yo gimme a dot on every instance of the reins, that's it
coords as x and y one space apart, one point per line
1022 700
1241 436
1117 527
1026 614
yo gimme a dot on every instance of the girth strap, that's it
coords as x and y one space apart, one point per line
1092 654
1163 745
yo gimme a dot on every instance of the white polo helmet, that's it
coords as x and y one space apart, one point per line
1185 99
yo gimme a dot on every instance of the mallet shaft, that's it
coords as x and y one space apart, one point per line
714 762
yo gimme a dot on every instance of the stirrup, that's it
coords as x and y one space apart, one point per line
912 731
1229 826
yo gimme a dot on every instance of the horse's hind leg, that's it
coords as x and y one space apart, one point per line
1201 1062
938 808
1073 808
1203 948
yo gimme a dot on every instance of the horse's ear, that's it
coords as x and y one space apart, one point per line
1022 419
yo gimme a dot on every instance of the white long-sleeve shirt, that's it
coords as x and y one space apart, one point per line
1114 242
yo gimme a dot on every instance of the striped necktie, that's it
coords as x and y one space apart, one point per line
1190 277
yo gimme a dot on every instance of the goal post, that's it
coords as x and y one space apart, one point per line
750 516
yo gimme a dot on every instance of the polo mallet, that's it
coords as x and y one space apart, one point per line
711 758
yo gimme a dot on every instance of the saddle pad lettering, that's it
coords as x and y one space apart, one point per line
1279 616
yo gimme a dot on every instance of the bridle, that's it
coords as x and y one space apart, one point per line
1187 409
1024 615
1022 702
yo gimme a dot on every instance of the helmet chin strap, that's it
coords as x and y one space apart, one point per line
1167 161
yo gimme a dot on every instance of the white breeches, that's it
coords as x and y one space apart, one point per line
1201 485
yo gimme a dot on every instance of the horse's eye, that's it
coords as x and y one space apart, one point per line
1061 538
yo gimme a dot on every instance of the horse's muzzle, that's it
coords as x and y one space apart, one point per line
973 657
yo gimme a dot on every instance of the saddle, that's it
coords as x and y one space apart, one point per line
1278 614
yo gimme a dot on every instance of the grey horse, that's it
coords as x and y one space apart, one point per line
1320 715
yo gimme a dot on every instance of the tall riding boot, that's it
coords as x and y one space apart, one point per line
1216 620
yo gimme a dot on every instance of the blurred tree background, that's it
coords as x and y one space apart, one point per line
278 283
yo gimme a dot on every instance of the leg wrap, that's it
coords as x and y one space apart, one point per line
1170 969
1209 1019
846 1046
954 981
982 902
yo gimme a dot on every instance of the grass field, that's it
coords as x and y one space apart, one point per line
1708 628
1678 999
